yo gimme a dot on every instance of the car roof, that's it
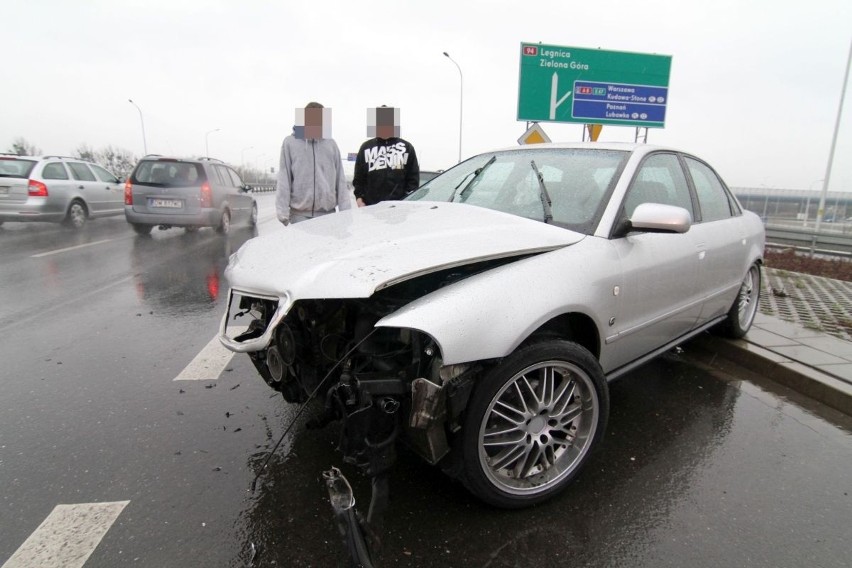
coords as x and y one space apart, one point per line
45 157
633 147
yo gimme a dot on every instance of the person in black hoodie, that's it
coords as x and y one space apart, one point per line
386 167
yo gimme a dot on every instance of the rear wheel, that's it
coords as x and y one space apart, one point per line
76 215
225 223
741 315
141 229
532 423
191 229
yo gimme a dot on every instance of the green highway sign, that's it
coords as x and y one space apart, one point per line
571 84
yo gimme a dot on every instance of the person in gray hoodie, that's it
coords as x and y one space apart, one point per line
311 182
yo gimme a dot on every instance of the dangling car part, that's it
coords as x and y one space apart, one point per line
480 320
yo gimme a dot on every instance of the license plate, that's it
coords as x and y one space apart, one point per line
171 203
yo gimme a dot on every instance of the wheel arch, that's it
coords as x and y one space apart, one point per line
576 327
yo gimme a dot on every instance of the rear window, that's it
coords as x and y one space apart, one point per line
168 173
15 168
81 172
54 170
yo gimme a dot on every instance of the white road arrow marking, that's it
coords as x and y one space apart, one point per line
554 104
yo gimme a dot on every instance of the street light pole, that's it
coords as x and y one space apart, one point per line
826 181
808 202
243 156
142 120
259 167
461 100
207 143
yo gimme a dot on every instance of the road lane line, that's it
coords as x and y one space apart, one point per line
67 537
66 249
210 361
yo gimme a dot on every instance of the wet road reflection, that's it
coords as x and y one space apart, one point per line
174 283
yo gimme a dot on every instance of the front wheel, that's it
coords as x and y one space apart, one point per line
253 216
532 424
742 312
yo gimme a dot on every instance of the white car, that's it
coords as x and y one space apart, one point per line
480 319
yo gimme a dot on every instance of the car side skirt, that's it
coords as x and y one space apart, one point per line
624 369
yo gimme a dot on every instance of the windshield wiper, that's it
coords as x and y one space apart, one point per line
475 175
542 194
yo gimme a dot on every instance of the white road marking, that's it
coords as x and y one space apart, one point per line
67 537
57 251
211 361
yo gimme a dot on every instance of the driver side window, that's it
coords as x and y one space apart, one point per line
660 179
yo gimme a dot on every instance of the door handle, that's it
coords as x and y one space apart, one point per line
81 187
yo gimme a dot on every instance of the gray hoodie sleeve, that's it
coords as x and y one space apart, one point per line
344 202
282 190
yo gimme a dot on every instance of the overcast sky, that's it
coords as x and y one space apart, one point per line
755 84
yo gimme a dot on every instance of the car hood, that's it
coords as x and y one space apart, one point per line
352 254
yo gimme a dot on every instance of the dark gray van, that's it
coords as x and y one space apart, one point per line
189 193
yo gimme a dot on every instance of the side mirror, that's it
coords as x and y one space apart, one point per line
659 218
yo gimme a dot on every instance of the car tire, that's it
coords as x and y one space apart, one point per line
191 229
224 226
253 215
140 229
742 312
532 423
76 215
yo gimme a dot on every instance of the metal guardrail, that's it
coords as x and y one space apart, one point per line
837 242
262 188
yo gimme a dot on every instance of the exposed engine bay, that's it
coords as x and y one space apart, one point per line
382 384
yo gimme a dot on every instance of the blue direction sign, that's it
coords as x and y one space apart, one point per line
619 102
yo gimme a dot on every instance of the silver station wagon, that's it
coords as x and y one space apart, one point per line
480 320
57 189
190 193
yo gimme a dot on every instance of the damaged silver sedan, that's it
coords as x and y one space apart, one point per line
480 320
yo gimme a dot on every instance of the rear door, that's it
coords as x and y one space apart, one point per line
232 194
111 188
243 199
86 186
722 234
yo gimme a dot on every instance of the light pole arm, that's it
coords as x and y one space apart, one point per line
461 101
207 141
142 120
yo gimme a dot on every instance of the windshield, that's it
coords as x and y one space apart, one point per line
577 180
15 168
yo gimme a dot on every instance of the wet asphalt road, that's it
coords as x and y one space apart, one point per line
703 463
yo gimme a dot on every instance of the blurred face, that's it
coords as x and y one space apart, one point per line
383 122
313 123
